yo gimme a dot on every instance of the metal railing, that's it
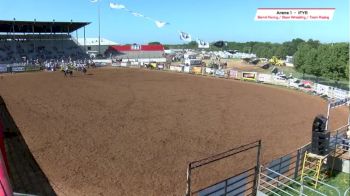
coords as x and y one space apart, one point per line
347 192
283 185
209 160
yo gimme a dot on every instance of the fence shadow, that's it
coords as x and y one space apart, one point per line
25 174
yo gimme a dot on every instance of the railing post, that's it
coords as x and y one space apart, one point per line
257 170
296 171
188 189
301 188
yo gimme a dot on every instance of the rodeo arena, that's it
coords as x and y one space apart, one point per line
83 117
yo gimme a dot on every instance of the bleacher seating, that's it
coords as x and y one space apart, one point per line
16 51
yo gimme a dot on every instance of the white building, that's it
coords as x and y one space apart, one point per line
92 45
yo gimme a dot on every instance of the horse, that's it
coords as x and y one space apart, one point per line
68 72
82 69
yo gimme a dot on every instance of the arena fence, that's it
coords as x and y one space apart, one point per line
338 138
281 171
290 164
282 175
25 174
19 68
243 183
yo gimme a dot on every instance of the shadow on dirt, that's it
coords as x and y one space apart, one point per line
25 174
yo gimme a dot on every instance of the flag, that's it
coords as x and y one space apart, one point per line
137 14
94 1
202 44
185 37
160 24
115 5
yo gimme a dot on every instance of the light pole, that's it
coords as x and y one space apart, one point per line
99 27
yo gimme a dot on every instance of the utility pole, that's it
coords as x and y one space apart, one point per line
99 27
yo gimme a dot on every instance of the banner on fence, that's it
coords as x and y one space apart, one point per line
3 68
265 78
18 69
123 64
197 70
187 69
160 66
249 76
220 72
280 81
234 74
209 70
175 68
32 68
340 94
322 89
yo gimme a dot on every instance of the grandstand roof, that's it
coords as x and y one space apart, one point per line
94 42
7 26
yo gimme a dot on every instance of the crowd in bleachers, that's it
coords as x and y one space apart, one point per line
40 51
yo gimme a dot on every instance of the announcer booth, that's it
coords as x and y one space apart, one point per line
21 41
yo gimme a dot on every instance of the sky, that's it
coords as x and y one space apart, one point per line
209 20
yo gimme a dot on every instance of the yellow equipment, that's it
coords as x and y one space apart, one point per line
312 167
275 61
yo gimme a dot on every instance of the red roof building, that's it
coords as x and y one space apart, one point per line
136 51
128 48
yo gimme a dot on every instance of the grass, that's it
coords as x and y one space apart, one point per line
339 180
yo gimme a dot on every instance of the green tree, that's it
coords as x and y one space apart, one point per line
281 51
300 58
154 43
313 43
192 45
311 63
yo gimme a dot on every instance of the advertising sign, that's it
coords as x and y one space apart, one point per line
234 74
3 68
249 76
18 69
265 78
220 73
197 70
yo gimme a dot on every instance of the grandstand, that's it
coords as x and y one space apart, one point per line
33 42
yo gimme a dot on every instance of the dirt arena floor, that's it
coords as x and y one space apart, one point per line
133 132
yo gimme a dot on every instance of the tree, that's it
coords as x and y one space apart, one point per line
281 52
311 63
300 58
192 45
154 43
313 43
